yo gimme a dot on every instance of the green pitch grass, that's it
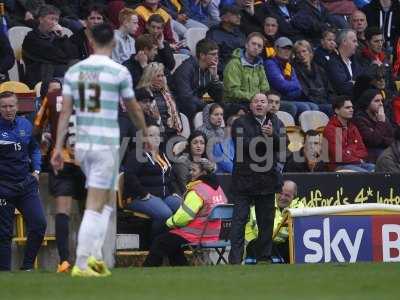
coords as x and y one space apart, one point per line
280 282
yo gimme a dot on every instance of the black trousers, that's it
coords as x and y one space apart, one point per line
265 214
166 245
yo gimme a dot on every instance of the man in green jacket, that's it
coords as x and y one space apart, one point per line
244 75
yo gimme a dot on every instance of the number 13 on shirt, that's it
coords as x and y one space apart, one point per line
89 96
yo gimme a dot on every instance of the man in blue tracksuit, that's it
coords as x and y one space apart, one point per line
20 161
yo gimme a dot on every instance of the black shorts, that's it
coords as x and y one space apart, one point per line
70 181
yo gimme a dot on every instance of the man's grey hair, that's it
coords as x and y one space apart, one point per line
341 36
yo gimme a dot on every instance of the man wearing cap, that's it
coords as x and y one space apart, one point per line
227 34
282 76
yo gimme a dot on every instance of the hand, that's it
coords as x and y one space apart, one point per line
28 16
36 175
381 117
377 62
57 161
182 18
57 29
160 40
141 58
267 130
213 71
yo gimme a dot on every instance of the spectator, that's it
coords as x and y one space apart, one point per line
182 16
374 78
197 76
148 185
244 75
282 76
284 199
227 35
146 51
7 58
358 22
93 15
213 118
253 180
309 158
224 151
125 44
283 11
270 35
195 150
323 53
343 68
314 82
19 188
154 82
165 54
384 14
389 160
186 225
45 50
345 144
149 8
373 53
312 19
372 123
248 22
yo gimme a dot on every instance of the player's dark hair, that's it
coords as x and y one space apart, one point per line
102 34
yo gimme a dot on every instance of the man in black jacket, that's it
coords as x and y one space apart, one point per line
197 76
93 15
46 52
255 177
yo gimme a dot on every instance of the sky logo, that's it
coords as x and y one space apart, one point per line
321 239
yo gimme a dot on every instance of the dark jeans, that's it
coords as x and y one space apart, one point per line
166 245
265 214
25 197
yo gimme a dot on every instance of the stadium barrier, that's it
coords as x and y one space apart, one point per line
349 233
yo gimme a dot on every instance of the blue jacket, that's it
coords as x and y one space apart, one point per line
290 89
19 151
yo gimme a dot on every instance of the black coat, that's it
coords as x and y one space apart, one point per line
45 57
81 45
314 83
250 177
146 177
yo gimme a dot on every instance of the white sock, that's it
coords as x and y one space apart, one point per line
88 236
105 218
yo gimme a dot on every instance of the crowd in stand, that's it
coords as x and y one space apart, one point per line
294 56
